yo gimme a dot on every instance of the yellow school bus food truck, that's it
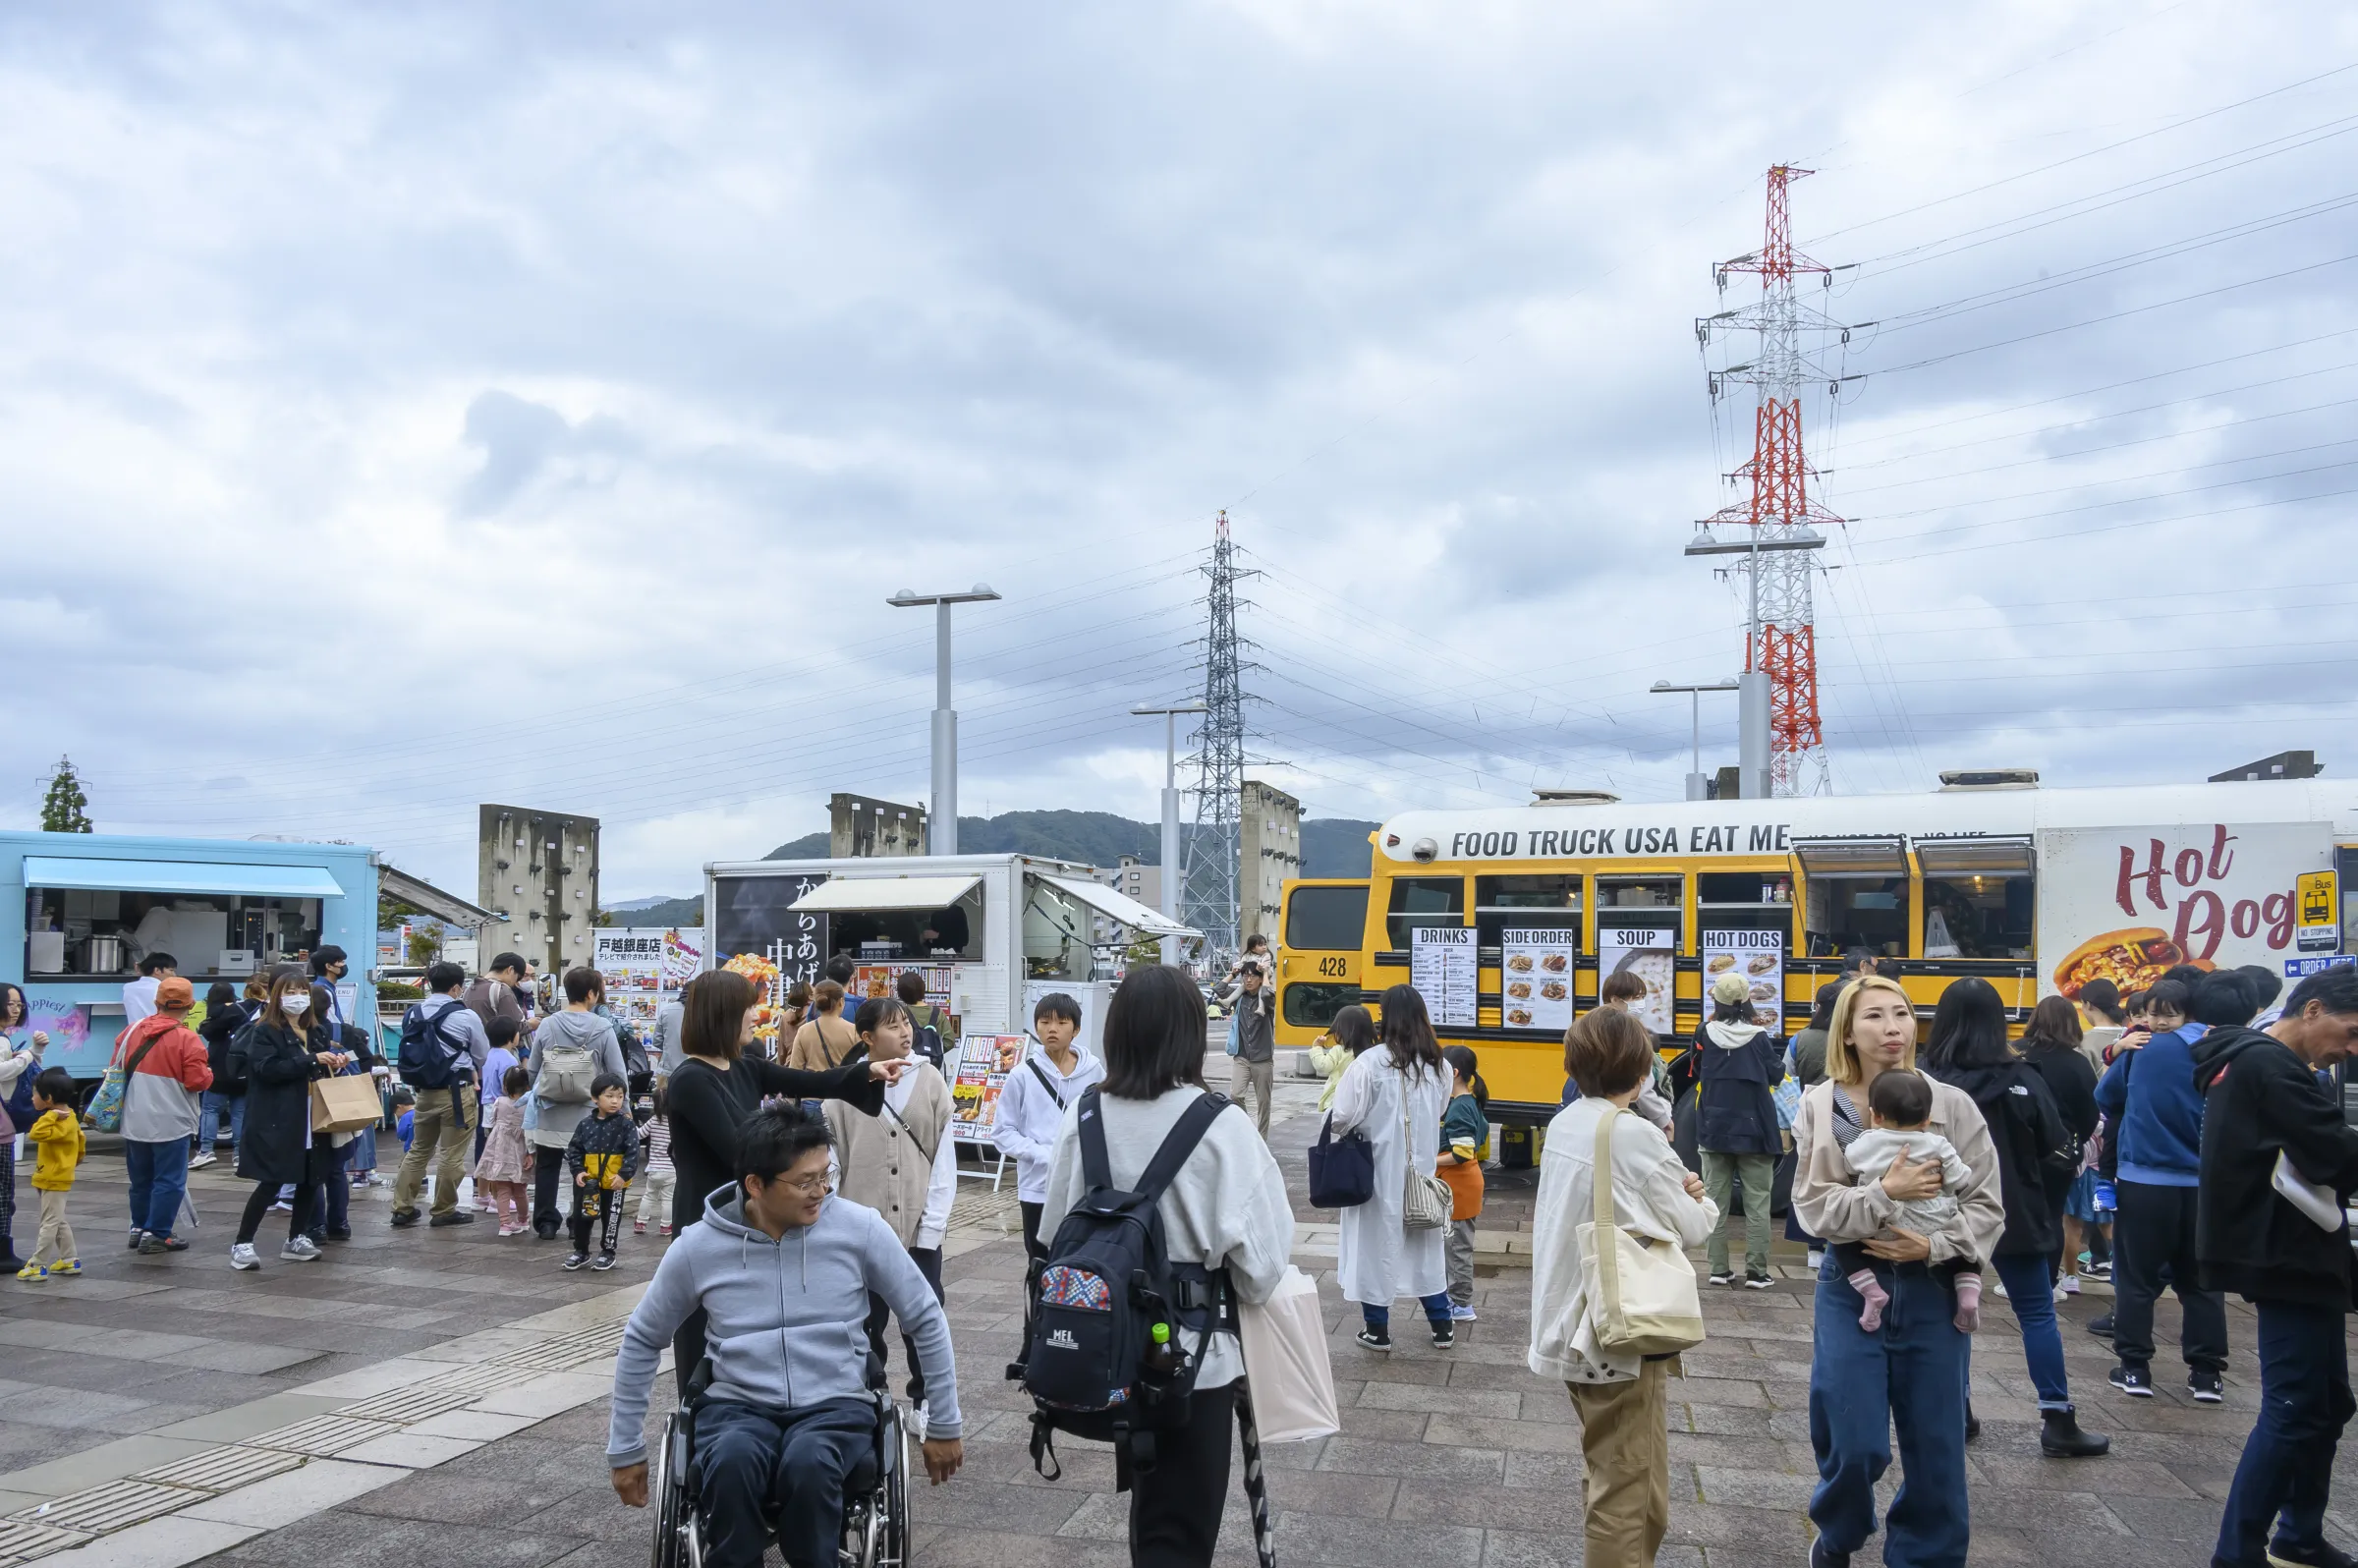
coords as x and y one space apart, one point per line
1507 919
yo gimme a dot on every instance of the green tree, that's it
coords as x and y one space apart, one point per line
61 807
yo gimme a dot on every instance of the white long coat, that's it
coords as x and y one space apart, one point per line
1381 1259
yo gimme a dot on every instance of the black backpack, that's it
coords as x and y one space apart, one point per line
429 1059
236 1062
927 1042
1090 1362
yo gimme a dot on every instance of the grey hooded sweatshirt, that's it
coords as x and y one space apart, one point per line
785 1320
588 1031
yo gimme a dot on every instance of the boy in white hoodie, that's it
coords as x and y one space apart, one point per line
1033 1102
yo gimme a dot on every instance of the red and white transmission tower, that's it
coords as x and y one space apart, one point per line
1781 523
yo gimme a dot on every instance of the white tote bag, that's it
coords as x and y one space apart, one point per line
1285 1361
1426 1199
1641 1291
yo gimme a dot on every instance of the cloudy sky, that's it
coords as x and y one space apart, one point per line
411 406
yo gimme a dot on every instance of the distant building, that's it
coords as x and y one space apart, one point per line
862 827
1269 852
1140 881
537 871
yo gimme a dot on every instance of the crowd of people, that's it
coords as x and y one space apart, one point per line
2187 1137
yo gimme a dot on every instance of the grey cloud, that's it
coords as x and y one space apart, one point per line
516 438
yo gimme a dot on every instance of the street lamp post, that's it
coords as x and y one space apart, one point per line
1699 788
943 837
1171 954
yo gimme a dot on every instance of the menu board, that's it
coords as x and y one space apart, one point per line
1649 952
984 1063
645 967
1536 978
1758 956
1441 967
883 980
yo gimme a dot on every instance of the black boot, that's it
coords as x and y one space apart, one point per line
2061 1438
1973 1423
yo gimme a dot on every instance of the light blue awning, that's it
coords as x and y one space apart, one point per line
261 879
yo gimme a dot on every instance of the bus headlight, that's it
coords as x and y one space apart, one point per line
1424 851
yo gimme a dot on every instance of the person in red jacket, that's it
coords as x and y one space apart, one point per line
166 1074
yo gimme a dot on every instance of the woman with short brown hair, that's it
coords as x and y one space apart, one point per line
1623 1400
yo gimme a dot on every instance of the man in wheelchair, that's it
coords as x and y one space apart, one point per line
782 1271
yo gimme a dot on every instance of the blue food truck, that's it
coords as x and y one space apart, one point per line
78 911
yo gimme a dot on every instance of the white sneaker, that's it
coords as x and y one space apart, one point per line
2068 1285
201 1161
242 1256
301 1250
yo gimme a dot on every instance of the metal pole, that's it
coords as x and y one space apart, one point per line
1752 696
1173 948
944 839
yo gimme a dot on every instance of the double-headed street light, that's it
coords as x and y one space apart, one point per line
1697 787
943 837
1171 870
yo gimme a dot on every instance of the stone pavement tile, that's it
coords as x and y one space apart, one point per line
1449 1432
1504 1507
1392 1425
1375 1543
1758 1529
979 1548
1727 1420
546 1395
1770 1489
2168 1518
479 1425
1564 1548
1354 1360
1460 1462
234 1423
251 1358
1497 1403
1739 1453
967 1503
2212 1482
1329 1491
411 1450
482 1493
164 1542
363 1541
2115 1476
279 1500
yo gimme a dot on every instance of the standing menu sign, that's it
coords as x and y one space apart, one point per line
984 1063
1441 967
1651 953
1536 978
1758 956
645 967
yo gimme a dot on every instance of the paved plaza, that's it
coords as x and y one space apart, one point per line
437 1396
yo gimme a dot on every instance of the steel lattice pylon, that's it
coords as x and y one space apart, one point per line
1780 637
1209 900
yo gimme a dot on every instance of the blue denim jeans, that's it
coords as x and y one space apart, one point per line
746 1459
1436 1312
220 1111
2030 1290
160 1178
2287 1466
1909 1374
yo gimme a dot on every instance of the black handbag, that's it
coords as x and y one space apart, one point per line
1342 1174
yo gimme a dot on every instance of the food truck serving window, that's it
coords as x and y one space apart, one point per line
1552 901
1422 896
1329 919
1857 892
1978 896
216 921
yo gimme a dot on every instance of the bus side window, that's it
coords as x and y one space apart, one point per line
1422 895
1327 919
1849 912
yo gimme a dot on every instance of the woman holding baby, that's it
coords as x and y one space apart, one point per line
1909 1372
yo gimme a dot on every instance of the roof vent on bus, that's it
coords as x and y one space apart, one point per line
1989 778
1574 798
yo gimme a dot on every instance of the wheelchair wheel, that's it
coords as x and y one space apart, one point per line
677 1542
894 1499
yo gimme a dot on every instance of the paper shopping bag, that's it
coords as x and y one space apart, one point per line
1285 1362
344 1104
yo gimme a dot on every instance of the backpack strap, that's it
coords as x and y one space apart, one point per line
1045 1082
1096 1171
1192 1124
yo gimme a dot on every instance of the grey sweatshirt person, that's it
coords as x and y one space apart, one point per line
590 1033
785 1318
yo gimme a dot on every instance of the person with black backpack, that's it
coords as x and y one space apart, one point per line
442 1051
1031 1105
1969 1050
1166 1210
931 1024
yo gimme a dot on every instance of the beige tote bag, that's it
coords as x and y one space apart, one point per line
1641 1295
1284 1340
1424 1201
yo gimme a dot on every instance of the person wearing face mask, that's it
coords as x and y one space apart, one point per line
288 1048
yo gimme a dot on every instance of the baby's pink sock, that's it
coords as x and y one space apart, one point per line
1872 1292
1969 1302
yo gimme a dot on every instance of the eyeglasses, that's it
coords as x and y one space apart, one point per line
807 1186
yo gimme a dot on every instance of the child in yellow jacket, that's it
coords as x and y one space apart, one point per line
57 1141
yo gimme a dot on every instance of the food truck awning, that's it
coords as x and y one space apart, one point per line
181 876
1122 907
841 893
431 900
1995 855
1880 855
